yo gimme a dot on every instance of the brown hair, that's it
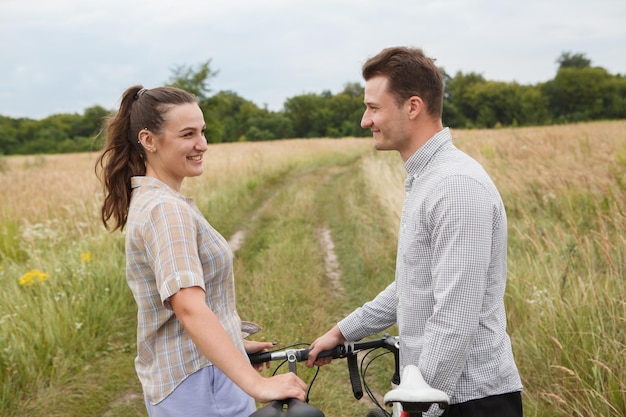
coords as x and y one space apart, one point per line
410 73
123 156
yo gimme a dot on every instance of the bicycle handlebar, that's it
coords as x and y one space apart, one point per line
347 350
414 394
298 355
340 351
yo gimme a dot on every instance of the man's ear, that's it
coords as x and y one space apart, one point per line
415 106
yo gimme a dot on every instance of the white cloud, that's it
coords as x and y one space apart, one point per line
67 55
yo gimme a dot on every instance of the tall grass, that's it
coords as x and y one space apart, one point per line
67 341
567 267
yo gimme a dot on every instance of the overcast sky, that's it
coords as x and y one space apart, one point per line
63 56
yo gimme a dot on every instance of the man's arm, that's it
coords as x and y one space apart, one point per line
462 220
372 317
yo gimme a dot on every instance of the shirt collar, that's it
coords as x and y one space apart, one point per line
419 160
144 181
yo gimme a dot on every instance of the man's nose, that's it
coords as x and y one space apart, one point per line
366 121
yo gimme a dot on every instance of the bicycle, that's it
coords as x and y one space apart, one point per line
410 395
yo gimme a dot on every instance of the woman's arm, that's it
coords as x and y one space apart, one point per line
211 339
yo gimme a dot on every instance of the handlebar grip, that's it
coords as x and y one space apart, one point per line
259 357
335 353
355 379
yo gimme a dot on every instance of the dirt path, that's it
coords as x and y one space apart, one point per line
331 262
238 238
332 267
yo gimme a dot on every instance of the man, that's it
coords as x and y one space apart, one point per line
447 296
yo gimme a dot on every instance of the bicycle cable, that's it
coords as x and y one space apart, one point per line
364 367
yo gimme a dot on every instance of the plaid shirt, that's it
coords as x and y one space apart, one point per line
447 297
169 246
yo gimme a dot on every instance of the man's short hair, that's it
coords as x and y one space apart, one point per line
410 73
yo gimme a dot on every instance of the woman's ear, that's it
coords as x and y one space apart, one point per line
146 139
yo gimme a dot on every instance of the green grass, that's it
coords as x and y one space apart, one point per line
56 328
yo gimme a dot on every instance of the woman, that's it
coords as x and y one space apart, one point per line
191 356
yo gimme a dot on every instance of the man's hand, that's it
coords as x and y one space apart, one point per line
328 341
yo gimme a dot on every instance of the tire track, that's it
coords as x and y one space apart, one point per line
238 238
332 267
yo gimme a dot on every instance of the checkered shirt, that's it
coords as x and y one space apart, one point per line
169 246
447 296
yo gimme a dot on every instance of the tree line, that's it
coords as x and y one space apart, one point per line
578 92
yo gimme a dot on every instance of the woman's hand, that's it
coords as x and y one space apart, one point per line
253 346
277 387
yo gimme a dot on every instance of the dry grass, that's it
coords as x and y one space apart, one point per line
36 189
554 159
565 192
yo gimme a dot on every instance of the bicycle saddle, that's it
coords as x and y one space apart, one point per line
414 393
288 408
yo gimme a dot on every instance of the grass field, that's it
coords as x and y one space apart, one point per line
67 318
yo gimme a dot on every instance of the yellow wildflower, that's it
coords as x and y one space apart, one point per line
29 277
85 257
41 276
26 279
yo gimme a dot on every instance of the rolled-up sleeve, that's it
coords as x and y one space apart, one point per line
172 250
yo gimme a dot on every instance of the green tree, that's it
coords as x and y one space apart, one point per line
269 125
458 98
347 110
571 60
578 94
327 115
91 122
534 107
8 135
303 110
226 109
194 80
615 98
451 116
